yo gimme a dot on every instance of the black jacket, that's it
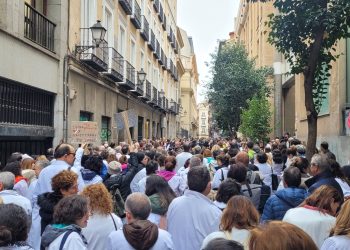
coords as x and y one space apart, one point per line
123 180
47 203
324 178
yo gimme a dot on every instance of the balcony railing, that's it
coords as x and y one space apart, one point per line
144 29
161 13
176 49
116 66
162 58
160 101
156 5
170 33
165 61
152 41
38 28
147 93
135 18
154 99
130 76
139 88
157 52
164 23
95 57
127 6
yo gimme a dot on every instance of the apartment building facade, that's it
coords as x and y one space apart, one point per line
288 91
189 83
140 34
53 72
33 37
204 120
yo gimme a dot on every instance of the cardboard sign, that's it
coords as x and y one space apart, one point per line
84 132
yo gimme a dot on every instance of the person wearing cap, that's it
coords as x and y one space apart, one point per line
114 168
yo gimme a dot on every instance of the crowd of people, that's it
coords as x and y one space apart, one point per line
176 194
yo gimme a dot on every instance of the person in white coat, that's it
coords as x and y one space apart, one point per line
102 220
64 159
193 216
70 216
139 233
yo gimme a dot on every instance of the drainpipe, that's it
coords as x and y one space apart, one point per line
277 68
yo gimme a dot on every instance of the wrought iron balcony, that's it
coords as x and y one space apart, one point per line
160 101
38 28
170 34
116 66
127 6
147 93
161 13
176 75
164 23
130 77
156 5
154 99
169 65
157 52
152 41
144 29
176 49
165 59
135 18
139 88
96 57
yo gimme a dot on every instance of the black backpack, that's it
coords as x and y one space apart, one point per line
118 201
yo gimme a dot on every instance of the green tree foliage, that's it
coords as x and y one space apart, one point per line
234 81
255 120
306 33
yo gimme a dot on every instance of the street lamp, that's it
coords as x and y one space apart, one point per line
98 33
161 94
141 76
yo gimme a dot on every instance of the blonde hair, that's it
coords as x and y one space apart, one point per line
215 147
342 224
100 199
286 237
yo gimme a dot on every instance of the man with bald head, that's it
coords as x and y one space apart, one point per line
139 233
252 176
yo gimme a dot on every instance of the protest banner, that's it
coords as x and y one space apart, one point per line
84 132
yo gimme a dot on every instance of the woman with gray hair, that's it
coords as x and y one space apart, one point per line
70 216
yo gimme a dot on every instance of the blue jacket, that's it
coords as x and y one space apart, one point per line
283 200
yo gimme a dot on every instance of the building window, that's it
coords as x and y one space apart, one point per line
21 104
121 43
105 128
85 116
133 53
203 114
203 121
203 130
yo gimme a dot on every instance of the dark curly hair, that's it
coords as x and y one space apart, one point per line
63 180
70 209
14 224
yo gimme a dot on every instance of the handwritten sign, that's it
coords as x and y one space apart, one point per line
84 132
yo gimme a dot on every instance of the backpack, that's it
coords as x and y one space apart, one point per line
118 201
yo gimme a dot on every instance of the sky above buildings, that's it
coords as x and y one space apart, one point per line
207 21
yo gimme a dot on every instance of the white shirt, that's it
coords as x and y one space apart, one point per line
266 171
11 196
344 187
177 184
98 228
316 224
222 172
116 241
22 188
181 159
239 235
134 183
142 184
191 218
338 242
73 242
